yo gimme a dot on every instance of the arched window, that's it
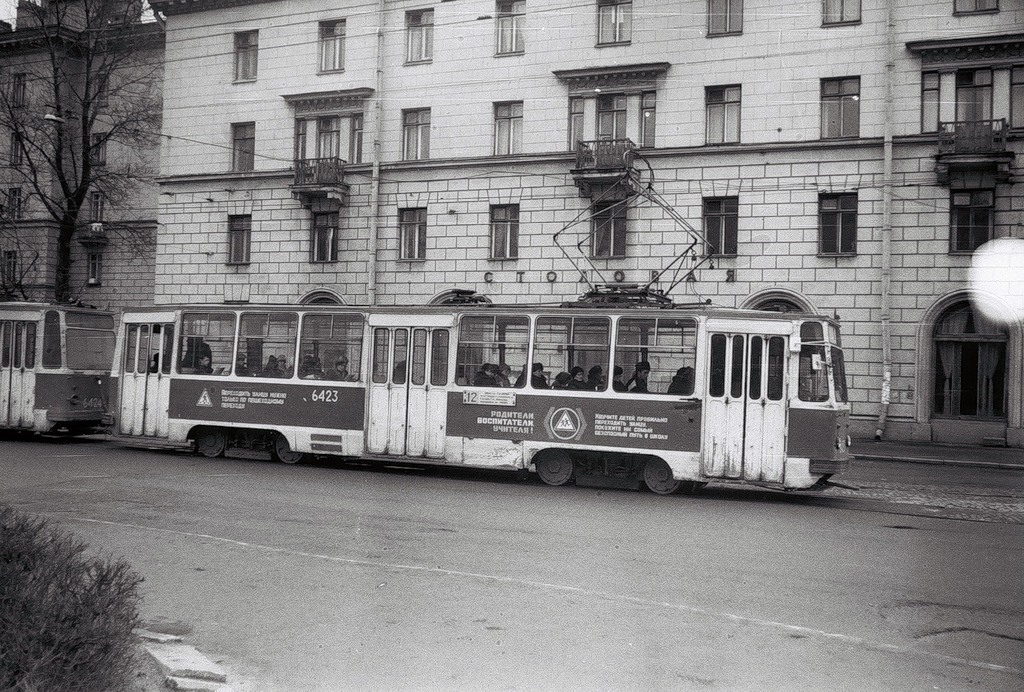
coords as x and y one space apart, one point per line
778 305
970 365
321 298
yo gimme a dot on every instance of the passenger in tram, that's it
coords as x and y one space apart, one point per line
271 369
562 380
595 378
282 365
503 375
639 378
241 367
537 378
577 379
617 384
190 361
682 382
487 376
311 368
205 365
154 363
340 371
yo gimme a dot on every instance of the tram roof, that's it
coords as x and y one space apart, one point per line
10 306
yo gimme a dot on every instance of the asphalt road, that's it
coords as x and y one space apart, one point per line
322 577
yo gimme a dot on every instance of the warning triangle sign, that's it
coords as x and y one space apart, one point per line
565 423
204 399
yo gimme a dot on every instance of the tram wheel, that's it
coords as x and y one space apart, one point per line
284 452
211 443
554 468
658 477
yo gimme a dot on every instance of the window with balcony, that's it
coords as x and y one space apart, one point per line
332 46
841 12
840 108
328 137
837 224
725 17
324 242
239 238
18 92
355 138
416 134
511 19
419 36
614 21
504 231
508 128
576 106
608 230
975 6
722 104
1017 96
611 116
412 234
243 147
13 204
246 54
98 149
648 113
973 95
96 204
971 219
721 225
930 102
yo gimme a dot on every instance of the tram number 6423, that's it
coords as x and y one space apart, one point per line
327 396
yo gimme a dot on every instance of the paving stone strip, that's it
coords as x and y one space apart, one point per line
185 667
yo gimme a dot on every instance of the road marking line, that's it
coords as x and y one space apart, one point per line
731 617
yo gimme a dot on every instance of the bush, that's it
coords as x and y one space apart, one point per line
66 619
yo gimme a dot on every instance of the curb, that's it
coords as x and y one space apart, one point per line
183 666
938 462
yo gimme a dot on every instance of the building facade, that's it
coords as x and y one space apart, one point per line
849 157
106 105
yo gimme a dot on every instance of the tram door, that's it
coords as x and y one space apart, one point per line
145 379
408 402
745 426
17 373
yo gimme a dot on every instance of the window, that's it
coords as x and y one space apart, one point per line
412 234
725 17
495 341
667 346
970 365
840 107
841 12
96 203
416 134
18 96
608 235
98 149
239 238
14 209
511 17
647 117
971 6
355 139
812 380
611 116
325 237
504 231
94 263
15 151
971 216
206 342
266 344
246 52
1017 97
332 46
930 102
10 268
301 132
973 95
330 348
723 114
575 121
580 344
243 146
328 137
721 223
419 36
508 128
614 21
837 224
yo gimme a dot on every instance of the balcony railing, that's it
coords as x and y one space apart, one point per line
974 137
326 172
604 154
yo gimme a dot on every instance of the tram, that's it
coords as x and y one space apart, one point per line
603 391
54 368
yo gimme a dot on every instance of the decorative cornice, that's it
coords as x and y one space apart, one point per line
171 7
322 101
641 76
979 50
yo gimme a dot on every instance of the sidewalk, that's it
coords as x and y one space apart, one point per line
934 453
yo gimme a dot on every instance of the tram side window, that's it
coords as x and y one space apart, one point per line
813 375
839 374
658 355
266 344
576 349
90 341
492 351
51 340
6 332
205 342
439 357
331 348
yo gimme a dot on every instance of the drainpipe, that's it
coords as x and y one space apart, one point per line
885 307
378 120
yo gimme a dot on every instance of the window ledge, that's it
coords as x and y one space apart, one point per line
612 44
338 71
852 22
837 254
244 81
418 62
502 259
413 260
510 54
971 13
724 33
237 264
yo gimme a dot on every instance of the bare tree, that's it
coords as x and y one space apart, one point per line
81 103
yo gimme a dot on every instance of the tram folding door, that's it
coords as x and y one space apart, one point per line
745 425
408 400
17 375
145 379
